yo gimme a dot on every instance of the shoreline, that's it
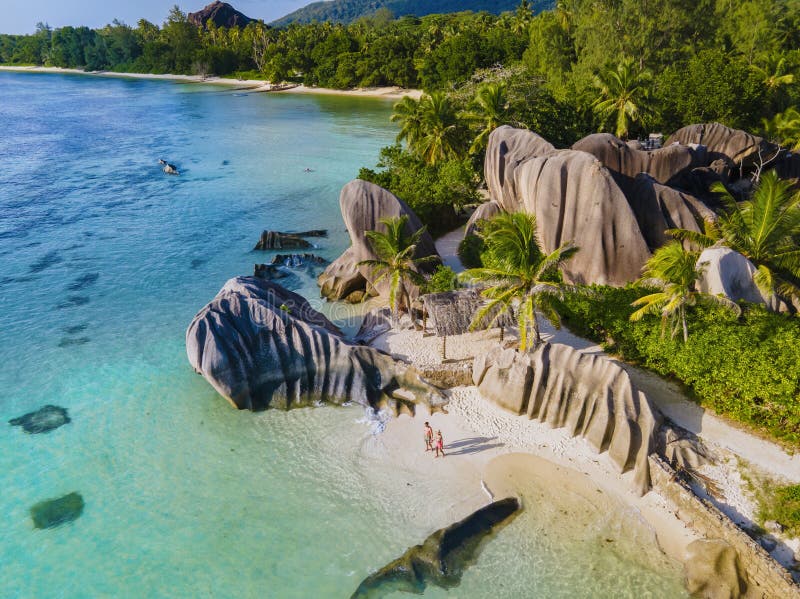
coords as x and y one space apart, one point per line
255 85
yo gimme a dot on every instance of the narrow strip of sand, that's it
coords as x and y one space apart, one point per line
257 85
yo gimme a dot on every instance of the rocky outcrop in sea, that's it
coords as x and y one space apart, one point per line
262 346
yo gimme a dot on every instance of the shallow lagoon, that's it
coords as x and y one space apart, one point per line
103 262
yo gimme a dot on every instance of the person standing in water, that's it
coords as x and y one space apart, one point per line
439 444
428 437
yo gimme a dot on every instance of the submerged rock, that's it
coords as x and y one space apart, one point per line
590 395
43 420
363 205
55 512
298 260
443 557
714 571
262 346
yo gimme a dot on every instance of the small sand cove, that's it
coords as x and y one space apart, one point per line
507 453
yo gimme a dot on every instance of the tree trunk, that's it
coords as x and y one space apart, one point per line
502 334
444 348
685 329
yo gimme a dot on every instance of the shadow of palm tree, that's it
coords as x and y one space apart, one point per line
471 445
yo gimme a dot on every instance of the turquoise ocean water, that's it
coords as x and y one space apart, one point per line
103 262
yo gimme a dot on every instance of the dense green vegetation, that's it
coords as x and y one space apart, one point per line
347 11
744 368
782 505
518 277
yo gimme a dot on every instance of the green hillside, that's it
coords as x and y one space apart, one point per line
347 11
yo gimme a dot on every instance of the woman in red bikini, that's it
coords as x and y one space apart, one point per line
439 444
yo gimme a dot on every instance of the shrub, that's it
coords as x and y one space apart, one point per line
433 192
747 369
443 279
783 506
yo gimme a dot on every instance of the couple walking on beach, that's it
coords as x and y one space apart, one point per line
429 443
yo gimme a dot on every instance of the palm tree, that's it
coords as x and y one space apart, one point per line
407 112
490 109
623 91
764 229
672 270
773 74
519 275
440 137
395 261
784 128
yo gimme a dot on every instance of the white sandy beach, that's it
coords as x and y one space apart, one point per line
504 447
256 85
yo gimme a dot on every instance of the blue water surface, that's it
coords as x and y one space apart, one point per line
104 260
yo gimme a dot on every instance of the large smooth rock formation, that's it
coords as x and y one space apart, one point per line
658 208
262 346
43 420
363 205
714 571
589 395
726 272
55 512
506 150
576 199
670 165
486 211
722 142
221 14
443 557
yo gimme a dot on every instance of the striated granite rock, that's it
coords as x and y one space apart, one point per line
589 395
670 165
714 571
658 208
575 198
277 240
506 150
262 346
443 557
486 211
363 205
726 272
722 142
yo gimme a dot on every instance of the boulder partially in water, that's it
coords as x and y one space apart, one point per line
443 557
43 420
590 395
714 571
55 512
363 205
277 240
262 346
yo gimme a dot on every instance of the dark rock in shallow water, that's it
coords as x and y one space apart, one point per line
298 260
275 240
84 281
70 341
42 421
443 557
55 512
